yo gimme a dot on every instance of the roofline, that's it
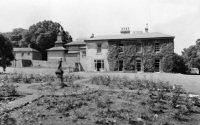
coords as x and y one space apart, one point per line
93 39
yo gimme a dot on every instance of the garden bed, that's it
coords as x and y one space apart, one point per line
150 103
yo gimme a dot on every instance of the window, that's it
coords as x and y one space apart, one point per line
99 48
139 47
83 53
121 48
22 54
99 65
28 53
157 47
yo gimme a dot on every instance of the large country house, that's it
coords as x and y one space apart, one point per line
136 52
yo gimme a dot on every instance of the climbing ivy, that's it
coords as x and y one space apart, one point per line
129 55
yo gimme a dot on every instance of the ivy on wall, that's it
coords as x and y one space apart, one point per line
129 55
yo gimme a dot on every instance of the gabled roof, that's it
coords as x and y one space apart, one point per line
60 48
24 50
130 36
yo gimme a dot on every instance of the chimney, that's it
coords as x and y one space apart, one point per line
146 28
125 30
92 36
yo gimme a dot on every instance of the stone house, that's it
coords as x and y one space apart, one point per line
135 52
24 55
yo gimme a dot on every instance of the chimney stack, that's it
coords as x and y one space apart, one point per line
146 28
125 30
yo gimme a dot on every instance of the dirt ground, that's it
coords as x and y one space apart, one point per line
189 82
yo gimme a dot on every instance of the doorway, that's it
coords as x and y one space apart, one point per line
138 65
157 65
121 65
99 65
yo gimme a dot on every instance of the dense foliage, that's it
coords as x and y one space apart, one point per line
43 35
6 52
17 37
191 56
174 63
129 54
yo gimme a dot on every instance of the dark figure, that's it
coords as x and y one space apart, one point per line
59 73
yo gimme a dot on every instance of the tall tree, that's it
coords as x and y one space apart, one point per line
191 56
6 52
43 35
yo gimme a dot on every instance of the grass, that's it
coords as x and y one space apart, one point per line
36 78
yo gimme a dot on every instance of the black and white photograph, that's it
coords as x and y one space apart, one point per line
99 62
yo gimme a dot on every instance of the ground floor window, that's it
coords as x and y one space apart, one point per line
157 65
99 65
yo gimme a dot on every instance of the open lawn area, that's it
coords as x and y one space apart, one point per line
189 82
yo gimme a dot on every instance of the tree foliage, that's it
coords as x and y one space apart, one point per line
191 56
6 52
174 63
42 36
17 37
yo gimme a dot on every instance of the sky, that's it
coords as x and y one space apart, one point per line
81 18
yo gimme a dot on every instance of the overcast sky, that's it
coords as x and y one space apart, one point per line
81 18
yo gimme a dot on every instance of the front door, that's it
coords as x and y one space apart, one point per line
121 66
138 65
157 65
99 65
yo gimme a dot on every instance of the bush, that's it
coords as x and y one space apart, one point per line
174 63
8 90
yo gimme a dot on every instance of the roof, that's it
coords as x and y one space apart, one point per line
71 52
131 36
77 42
56 48
25 50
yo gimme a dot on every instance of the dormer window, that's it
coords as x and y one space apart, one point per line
99 48
121 48
157 47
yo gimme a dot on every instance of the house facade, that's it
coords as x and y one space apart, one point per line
24 55
135 52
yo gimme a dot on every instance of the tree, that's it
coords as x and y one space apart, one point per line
174 63
6 52
17 37
191 56
43 35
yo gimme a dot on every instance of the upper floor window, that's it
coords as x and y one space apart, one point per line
121 48
83 53
139 47
157 47
28 53
22 54
99 48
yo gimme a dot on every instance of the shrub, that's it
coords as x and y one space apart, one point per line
8 90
